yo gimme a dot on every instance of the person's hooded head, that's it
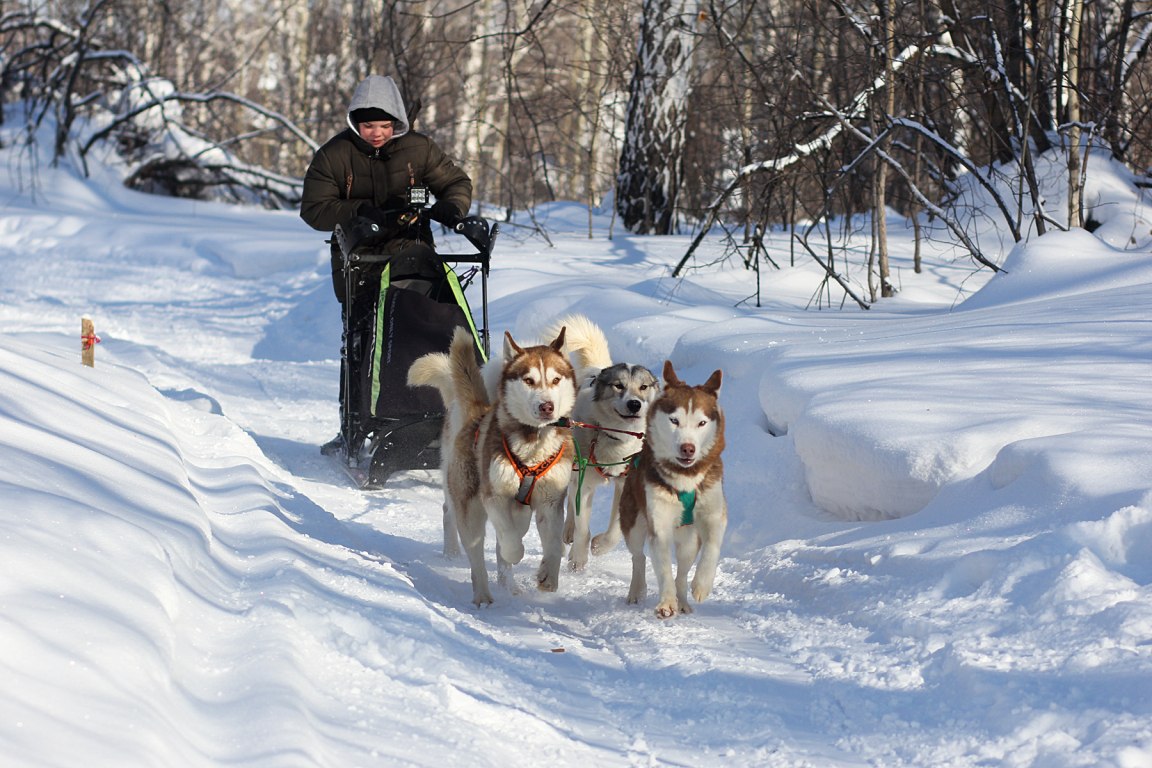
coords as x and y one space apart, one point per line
377 99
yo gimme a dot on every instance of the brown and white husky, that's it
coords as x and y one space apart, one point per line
502 455
674 498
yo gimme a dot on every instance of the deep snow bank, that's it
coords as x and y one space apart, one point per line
878 438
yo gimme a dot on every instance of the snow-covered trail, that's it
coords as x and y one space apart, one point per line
230 599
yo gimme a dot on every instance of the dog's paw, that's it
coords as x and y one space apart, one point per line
667 609
702 582
481 596
602 543
577 561
546 579
569 530
507 581
700 591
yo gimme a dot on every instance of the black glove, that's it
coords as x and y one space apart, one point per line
369 211
444 212
386 223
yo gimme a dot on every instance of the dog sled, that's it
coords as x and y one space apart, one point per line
398 307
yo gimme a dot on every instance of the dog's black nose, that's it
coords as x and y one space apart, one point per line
634 406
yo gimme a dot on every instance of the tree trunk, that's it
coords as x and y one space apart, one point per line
648 184
887 10
1073 11
483 100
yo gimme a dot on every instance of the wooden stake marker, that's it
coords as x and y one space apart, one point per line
88 342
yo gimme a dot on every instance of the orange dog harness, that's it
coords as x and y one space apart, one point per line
529 475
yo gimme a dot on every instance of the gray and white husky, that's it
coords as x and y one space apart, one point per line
612 403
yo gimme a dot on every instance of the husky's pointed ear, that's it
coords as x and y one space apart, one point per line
558 342
670 377
712 386
511 348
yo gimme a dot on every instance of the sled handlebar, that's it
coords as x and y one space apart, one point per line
362 232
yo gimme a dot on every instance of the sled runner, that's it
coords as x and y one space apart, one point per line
397 307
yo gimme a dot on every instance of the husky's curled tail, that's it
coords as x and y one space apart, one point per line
586 345
456 375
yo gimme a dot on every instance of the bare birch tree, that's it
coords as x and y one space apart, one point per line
648 185
1070 91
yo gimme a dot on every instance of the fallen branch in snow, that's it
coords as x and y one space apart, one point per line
830 272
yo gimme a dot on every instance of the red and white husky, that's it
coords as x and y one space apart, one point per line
502 456
674 498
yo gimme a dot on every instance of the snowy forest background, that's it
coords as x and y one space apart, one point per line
745 114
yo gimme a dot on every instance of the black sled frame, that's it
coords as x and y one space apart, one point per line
396 443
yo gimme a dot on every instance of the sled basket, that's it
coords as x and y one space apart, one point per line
399 307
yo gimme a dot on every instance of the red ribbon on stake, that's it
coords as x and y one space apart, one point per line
88 342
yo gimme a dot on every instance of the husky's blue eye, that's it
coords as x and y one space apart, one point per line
675 421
